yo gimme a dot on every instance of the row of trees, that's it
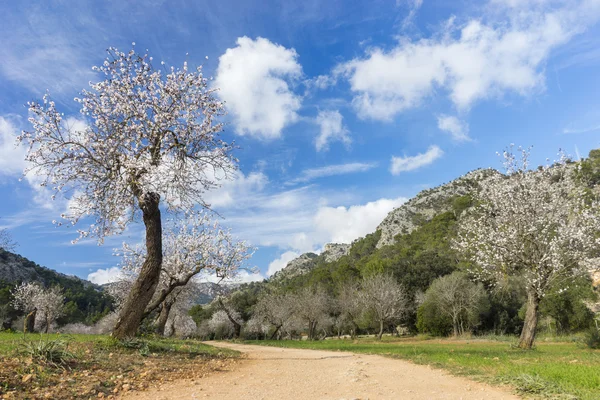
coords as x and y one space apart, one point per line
378 301
522 245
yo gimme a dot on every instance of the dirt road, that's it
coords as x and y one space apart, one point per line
276 373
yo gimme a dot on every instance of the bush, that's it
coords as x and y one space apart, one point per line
592 338
47 351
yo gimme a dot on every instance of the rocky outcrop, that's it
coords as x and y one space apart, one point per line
298 266
334 251
427 204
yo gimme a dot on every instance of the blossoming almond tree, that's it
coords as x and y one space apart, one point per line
37 301
150 137
385 297
539 225
192 246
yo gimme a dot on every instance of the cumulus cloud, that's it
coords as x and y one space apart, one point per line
478 59
332 129
279 263
12 158
240 186
411 163
344 224
103 276
459 130
253 79
332 170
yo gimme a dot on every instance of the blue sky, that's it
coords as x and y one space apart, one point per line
342 109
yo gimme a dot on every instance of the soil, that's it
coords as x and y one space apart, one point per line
277 373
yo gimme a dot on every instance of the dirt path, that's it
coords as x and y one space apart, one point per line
279 374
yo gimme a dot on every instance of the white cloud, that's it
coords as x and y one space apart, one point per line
303 219
344 224
253 79
245 276
332 170
279 263
582 130
233 190
479 59
459 130
103 276
411 163
413 7
12 159
332 129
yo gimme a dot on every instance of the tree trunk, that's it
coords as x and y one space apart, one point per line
145 285
237 327
29 323
275 333
161 322
380 334
531 320
47 325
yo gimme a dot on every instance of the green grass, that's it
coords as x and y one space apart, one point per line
9 342
564 370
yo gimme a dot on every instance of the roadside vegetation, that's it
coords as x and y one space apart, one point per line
56 366
558 367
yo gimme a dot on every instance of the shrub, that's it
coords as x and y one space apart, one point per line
47 351
592 338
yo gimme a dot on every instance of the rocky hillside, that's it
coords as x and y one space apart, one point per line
401 220
15 268
298 266
428 204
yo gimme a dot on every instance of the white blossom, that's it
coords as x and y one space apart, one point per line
146 132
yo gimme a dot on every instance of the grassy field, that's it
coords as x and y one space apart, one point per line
82 366
554 369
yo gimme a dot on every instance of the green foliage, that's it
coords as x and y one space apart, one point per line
430 320
567 306
506 303
201 313
592 338
589 171
364 247
455 300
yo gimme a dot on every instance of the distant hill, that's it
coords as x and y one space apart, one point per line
16 269
84 301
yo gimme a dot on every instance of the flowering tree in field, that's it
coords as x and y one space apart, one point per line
275 310
350 306
540 225
192 246
220 324
38 302
149 139
311 305
385 298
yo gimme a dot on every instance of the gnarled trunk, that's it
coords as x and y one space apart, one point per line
145 285
161 322
531 321
29 323
275 332
380 334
